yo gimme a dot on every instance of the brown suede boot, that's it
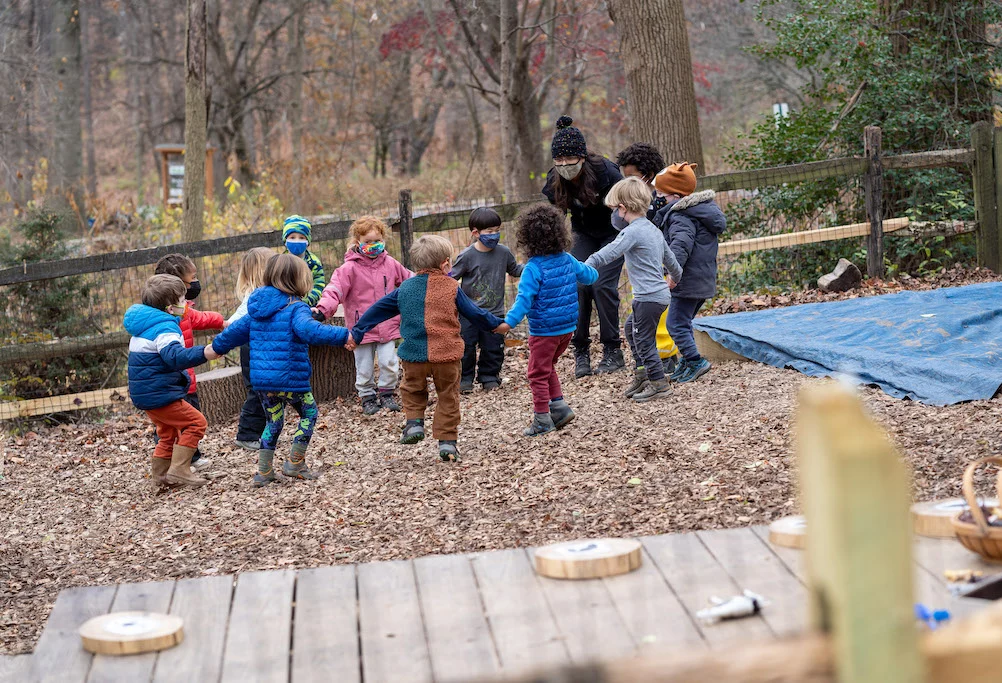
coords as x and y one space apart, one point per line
179 473
159 467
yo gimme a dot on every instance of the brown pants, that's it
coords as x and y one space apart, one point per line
177 423
414 392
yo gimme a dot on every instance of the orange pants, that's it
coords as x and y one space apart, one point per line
414 393
177 423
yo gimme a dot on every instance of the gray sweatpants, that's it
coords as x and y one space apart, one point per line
641 332
366 356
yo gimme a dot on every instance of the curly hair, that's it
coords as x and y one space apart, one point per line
366 224
645 157
542 230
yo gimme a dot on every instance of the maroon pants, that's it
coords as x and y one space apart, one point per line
543 380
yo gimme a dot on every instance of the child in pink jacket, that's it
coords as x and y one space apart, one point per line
368 274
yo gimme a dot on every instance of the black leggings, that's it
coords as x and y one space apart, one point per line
605 294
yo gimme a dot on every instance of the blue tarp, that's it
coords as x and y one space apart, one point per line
939 347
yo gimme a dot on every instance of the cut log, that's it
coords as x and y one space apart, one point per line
221 393
333 372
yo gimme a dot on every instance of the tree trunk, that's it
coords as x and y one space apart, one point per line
333 371
195 115
296 100
509 155
662 100
68 138
88 108
528 134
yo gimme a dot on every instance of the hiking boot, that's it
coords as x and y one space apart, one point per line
158 468
639 380
541 424
265 472
694 370
671 364
295 467
413 431
560 413
466 386
491 385
387 401
680 367
655 389
370 404
582 363
448 451
612 361
249 445
179 473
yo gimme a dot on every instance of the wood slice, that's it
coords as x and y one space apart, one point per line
789 532
333 371
221 393
130 633
589 558
934 518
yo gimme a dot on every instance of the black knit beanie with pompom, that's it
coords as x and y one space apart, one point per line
568 140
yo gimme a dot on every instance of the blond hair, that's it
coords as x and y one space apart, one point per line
633 193
430 251
251 273
289 274
364 225
163 291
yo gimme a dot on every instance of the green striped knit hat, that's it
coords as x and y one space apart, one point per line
296 224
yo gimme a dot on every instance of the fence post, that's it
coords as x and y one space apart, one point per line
873 183
984 195
406 226
993 237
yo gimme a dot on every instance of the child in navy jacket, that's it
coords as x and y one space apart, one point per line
279 328
548 294
158 381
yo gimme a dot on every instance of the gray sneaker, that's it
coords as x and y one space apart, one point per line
560 413
655 389
541 424
370 405
448 451
413 432
249 445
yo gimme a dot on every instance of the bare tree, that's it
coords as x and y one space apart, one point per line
296 96
662 100
195 122
66 171
86 50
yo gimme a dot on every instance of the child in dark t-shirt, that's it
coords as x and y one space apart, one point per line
481 270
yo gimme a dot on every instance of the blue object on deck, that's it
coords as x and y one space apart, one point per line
939 347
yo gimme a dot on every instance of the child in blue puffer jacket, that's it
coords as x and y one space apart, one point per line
548 294
279 328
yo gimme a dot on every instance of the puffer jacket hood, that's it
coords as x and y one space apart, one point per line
157 357
692 225
265 302
701 206
148 322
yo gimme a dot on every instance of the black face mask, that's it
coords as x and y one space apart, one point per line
194 289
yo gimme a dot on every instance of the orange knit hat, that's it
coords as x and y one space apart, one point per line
676 179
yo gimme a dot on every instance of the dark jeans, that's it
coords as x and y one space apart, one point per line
605 294
192 400
252 416
491 353
680 315
641 333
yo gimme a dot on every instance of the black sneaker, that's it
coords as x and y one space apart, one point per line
370 405
387 401
612 361
466 386
582 363
491 385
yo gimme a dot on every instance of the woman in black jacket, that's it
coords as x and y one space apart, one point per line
578 182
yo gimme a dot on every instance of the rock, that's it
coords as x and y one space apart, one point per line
846 276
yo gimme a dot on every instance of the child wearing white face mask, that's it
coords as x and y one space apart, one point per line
647 257
296 234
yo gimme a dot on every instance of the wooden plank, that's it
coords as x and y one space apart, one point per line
587 618
59 657
58 348
936 159
695 576
754 567
67 402
524 630
325 628
792 239
394 647
204 605
873 185
459 639
984 195
714 351
260 631
792 558
15 668
940 554
133 597
796 173
651 611
925 229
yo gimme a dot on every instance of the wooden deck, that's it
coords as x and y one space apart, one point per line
453 617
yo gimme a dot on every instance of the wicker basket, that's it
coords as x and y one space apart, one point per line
979 537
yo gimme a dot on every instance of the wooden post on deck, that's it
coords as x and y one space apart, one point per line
855 492
873 183
406 207
984 195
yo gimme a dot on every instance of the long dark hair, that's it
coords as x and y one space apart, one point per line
585 191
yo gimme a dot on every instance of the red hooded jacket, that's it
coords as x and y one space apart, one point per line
197 320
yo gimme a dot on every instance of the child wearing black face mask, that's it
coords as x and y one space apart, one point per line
481 269
183 267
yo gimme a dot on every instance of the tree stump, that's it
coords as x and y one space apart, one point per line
333 370
221 393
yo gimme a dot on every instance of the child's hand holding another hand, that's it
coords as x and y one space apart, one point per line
210 354
317 315
350 344
503 328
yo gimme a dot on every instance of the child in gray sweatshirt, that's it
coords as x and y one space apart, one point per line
647 257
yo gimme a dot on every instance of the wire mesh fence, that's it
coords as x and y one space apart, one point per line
63 346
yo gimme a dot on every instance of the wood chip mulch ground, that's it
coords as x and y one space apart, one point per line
79 509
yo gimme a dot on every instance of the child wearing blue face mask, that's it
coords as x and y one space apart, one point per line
296 234
481 269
